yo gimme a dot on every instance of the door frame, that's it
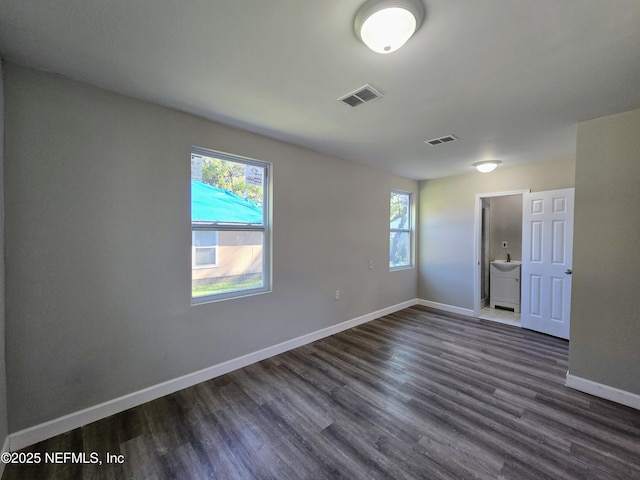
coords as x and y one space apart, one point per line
477 281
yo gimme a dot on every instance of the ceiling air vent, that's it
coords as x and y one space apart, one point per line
437 141
360 96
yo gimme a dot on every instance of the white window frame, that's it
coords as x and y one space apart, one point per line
265 228
408 229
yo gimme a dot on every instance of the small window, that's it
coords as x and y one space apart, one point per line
400 229
205 246
229 226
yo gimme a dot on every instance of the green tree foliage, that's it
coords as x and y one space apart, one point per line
229 176
398 210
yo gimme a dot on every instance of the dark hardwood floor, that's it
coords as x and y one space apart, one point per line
415 394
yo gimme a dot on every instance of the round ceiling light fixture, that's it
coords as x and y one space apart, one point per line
487 166
385 25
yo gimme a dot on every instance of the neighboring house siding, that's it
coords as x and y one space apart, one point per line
233 260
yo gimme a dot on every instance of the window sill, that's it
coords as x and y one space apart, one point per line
227 296
395 269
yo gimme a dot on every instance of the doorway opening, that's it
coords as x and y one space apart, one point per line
498 237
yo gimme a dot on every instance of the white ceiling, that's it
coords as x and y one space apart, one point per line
510 78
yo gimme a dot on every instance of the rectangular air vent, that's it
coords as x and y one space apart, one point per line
440 140
360 96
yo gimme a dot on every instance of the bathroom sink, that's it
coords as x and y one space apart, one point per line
505 266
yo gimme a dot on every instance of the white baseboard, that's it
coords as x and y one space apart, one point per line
603 391
43 431
446 308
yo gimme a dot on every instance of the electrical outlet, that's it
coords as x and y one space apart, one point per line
337 297
370 264
504 245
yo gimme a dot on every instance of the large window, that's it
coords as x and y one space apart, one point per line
229 226
400 230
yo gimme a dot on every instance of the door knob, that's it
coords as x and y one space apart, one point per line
568 271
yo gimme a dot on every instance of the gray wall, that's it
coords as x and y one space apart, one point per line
95 310
446 226
506 225
3 381
605 325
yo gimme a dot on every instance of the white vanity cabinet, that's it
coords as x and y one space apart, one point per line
504 278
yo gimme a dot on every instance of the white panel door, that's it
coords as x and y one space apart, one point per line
547 254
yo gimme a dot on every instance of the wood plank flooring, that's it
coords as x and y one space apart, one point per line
418 394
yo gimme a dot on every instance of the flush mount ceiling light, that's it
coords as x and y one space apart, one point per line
487 166
386 25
